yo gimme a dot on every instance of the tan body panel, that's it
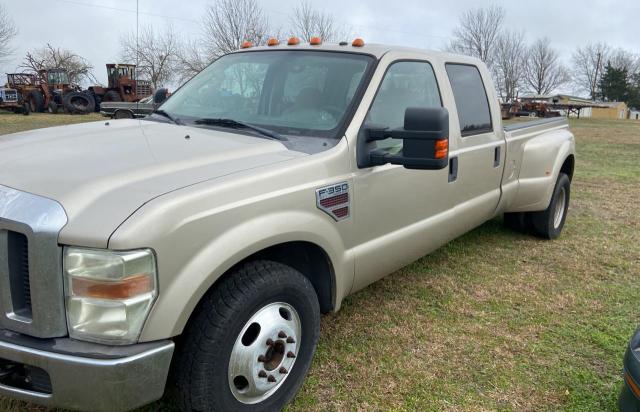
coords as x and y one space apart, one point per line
207 202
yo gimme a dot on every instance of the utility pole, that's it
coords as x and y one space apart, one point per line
137 44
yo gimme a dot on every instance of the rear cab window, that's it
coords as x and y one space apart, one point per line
471 99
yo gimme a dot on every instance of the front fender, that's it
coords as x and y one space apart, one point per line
181 292
542 159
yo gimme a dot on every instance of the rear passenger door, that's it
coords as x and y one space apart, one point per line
481 148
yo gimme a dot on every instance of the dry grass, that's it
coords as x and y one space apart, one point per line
496 319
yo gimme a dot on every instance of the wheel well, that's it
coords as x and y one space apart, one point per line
567 166
308 259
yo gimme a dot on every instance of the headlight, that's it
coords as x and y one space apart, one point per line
108 293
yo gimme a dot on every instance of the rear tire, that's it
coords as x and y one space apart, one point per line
123 114
548 223
209 376
36 101
517 221
111 96
78 102
52 107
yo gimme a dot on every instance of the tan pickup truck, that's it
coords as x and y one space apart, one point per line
197 248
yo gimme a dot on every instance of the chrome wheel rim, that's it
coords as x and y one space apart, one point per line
264 352
559 212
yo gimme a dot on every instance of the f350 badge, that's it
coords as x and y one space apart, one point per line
334 200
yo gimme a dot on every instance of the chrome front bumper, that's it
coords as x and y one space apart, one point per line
85 376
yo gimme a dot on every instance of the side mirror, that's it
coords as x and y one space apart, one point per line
425 138
160 96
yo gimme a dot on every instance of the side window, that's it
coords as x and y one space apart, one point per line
471 99
406 84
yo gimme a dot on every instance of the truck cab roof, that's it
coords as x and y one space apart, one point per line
373 49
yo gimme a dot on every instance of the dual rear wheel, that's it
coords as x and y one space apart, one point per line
547 223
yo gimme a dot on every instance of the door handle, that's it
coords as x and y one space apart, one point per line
496 157
453 169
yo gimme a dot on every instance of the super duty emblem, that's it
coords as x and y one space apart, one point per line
334 200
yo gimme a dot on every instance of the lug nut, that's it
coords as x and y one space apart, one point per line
283 370
271 378
282 335
262 358
269 342
291 354
262 374
290 340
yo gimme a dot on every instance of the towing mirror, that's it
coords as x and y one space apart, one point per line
425 137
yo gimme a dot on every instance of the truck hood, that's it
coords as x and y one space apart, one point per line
101 172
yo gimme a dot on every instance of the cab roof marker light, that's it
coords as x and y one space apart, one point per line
358 43
273 42
293 41
246 45
315 41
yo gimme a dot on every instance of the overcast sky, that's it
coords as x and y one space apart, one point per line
91 28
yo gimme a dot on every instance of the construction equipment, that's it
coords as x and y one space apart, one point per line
49 89
122 86
11 100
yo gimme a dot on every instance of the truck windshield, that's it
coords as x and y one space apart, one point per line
305 93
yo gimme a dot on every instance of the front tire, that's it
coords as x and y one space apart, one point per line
250 343
548 223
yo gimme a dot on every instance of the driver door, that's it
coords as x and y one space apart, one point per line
397 210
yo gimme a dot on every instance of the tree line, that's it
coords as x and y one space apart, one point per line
518 67
602 72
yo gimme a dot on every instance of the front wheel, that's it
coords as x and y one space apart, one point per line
548 223
251 341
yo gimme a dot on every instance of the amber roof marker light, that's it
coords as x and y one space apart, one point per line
246 45
315 41
293 41
358 43
273 42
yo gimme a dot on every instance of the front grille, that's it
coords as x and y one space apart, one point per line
31 287
18 246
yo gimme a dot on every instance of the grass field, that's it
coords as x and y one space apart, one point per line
495 320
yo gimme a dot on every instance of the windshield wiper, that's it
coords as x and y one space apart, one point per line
240 125
167 115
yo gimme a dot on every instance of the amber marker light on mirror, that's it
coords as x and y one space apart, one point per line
632 385
441 148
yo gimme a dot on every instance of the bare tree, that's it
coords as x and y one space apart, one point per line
156 53
508 64
7 32
228 23
544 72
49 57
478 32
190 60
308 22
588 63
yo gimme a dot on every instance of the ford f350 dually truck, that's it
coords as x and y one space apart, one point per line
197 249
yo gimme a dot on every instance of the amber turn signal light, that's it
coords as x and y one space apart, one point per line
293 41
441 148
246 45
315 41
273 42
358 43
129 287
